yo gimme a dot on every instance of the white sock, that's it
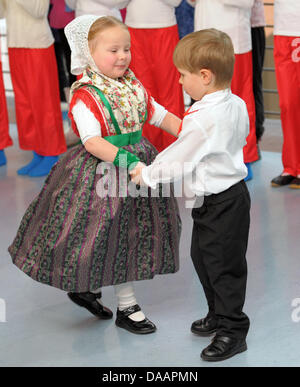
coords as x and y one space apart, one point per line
126 298
96 292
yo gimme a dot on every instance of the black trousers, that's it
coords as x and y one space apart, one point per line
258 55
63 59
218 250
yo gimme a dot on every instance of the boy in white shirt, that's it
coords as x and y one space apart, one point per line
210 150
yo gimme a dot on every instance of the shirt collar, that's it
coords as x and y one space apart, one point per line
212 99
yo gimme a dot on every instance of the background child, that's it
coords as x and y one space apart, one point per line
233 17
34 77
71 236
154 35
287 67
210 150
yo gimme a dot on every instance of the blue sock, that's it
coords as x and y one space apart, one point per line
44 167
250 173
2 157
33 163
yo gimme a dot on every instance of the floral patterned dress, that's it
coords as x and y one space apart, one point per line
77 239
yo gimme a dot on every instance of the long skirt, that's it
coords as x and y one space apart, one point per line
85 231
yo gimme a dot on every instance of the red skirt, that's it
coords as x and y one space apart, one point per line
242 85
5 139
35 82
152 62
287 67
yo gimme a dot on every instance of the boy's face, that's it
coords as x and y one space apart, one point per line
196 85
111 51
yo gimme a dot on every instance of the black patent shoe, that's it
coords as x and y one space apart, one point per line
222 348
205 326
280 180
89 301
295 183
140 327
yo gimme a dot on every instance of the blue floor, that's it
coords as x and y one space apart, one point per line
43 328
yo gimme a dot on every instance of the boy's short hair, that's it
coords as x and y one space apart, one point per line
206 49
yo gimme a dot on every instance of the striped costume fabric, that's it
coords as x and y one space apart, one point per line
74 239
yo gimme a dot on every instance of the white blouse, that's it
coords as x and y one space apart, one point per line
151 13
287 17
208 154
230 16
88 126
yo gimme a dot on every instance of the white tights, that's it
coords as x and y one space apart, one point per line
126 298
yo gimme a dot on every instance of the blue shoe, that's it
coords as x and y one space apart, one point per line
2 158
250 173
44 167
33 163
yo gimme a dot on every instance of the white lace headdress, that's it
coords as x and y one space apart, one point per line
77 32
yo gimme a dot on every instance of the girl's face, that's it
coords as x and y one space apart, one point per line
111 51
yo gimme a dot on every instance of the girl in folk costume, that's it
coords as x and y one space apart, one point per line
34 78
76 235
233 17
154 35
5 139
287 67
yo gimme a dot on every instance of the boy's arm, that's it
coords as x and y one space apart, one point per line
178 160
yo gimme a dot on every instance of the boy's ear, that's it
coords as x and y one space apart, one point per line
206 75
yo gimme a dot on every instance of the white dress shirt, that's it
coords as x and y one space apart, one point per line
88 126
230 16
151 13
287 17
208 154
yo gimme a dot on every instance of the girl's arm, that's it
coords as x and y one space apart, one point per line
101 149
90 133
164 119
171 124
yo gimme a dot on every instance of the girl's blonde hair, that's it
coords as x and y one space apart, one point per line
206 49
100 25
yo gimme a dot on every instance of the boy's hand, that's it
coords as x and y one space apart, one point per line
136 174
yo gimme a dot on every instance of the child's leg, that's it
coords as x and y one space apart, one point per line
129 314
223 243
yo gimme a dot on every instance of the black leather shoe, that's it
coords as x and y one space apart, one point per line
205 326
279 181
140 327
295 183
222 348
89 301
